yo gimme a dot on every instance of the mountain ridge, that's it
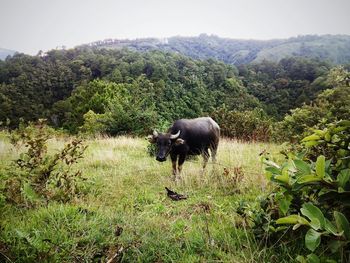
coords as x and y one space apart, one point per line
333 48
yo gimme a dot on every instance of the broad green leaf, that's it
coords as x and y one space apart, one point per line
321 166
312 258
311 137
320 132
342 224
345 123
302 167
328 136
290 166
284 177
314 214
342 153
292 219
330 227
312 239
339 129
268 175
284 203
301 259
308 179
311 143
343 178
272 229
273 170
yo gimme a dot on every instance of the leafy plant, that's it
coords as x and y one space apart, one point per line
252 125
313 194
40 176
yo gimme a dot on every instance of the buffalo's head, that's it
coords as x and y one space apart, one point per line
164 141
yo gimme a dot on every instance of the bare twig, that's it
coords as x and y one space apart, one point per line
116 255
6 257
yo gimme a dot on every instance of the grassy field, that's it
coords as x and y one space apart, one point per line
126 213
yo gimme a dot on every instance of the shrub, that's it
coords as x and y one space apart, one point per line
312 194
94 123
252 125
39 176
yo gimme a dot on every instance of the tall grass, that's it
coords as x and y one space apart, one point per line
126 213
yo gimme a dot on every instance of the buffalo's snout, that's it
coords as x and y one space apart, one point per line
160 159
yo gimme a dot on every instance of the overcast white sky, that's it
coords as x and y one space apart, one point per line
32 25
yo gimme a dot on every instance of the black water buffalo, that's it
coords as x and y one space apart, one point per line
187 137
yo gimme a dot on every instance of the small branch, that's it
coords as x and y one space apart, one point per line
120 250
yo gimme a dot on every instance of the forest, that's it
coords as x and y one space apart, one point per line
78 182
100 90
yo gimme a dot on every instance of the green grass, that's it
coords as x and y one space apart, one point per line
125 189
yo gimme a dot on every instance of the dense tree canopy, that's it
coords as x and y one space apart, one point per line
64 85
285 85
121 91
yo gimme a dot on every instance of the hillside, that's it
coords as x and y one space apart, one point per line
333 48
126 207
103 89
6 52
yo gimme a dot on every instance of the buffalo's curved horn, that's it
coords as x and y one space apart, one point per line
155 134
174 136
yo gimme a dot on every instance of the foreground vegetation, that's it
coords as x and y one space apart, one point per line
124 210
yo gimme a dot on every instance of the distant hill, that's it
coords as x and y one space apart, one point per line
6 52
334 48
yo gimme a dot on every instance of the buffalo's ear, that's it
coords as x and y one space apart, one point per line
151 138
179 141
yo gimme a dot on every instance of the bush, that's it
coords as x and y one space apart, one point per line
39 176
312 194
252 125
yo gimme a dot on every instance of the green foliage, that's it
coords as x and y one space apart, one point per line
237 51
125 89
94 123
125 92
285 85
252 125
333 142
40 176
313 194
330 105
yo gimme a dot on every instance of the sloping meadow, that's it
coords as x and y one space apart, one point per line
124 213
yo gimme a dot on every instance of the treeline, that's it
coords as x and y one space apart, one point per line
285 85
333 48
63 85
124 92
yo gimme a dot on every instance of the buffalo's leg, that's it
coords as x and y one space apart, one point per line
173 161
205 155
181 162
213 151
